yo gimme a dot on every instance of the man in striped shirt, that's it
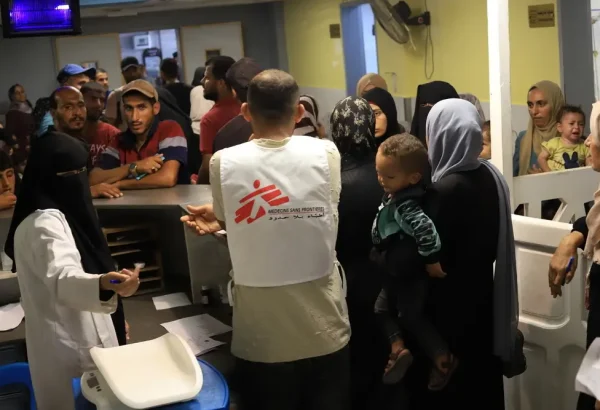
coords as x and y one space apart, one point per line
150 153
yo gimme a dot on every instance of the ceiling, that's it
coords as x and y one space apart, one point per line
117 8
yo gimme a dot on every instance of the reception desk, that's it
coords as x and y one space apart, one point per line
187 259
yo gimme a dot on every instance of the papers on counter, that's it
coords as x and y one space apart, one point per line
197 332
203 346
171 301
588 377
11 316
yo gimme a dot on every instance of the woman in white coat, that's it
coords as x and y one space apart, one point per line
68 289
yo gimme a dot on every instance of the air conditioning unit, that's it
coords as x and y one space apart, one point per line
142 42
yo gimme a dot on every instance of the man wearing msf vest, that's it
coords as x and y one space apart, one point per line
277 196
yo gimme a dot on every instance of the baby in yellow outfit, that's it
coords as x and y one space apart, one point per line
567 151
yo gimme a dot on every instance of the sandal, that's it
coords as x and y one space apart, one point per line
395 372
438 379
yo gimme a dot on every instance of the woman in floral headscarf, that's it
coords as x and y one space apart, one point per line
353 132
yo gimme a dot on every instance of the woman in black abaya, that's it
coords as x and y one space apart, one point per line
427 96
353 132
386 114
475 306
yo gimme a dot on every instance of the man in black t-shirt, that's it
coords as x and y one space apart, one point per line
238 130
169 71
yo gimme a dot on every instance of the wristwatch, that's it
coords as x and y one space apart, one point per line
133 170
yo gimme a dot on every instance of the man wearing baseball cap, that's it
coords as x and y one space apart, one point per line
150 153
71 75
132 70
238 130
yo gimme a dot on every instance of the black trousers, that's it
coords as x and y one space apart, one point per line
318 383
194 156
369 348
586 402
403 311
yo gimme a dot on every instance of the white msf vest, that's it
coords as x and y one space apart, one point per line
278 211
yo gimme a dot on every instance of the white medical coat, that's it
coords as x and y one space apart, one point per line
64 316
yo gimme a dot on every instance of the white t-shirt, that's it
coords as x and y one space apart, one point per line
200 106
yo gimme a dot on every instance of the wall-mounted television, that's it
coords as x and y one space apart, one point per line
34 18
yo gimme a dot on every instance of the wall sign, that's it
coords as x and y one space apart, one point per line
213 52
335 31
541 15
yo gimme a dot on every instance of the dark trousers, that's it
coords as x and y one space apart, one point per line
318 383
369 348
586 402
194 156
403 311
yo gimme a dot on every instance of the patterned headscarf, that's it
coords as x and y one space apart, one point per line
353 127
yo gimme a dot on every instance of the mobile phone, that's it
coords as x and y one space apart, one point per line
162 157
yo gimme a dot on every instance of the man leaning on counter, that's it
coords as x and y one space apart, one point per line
150 153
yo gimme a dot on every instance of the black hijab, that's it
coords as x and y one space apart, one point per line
427 96
198 76
385 101
56 178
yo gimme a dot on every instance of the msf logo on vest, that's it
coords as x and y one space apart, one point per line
268 196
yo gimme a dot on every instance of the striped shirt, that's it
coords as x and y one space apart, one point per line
165 137
398 216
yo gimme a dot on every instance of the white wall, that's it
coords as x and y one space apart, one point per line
27 61
196 41
103 49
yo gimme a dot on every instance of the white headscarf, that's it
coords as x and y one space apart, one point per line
454 137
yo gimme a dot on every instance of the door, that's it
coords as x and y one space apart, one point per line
103 50
199 43
359 42
554 329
